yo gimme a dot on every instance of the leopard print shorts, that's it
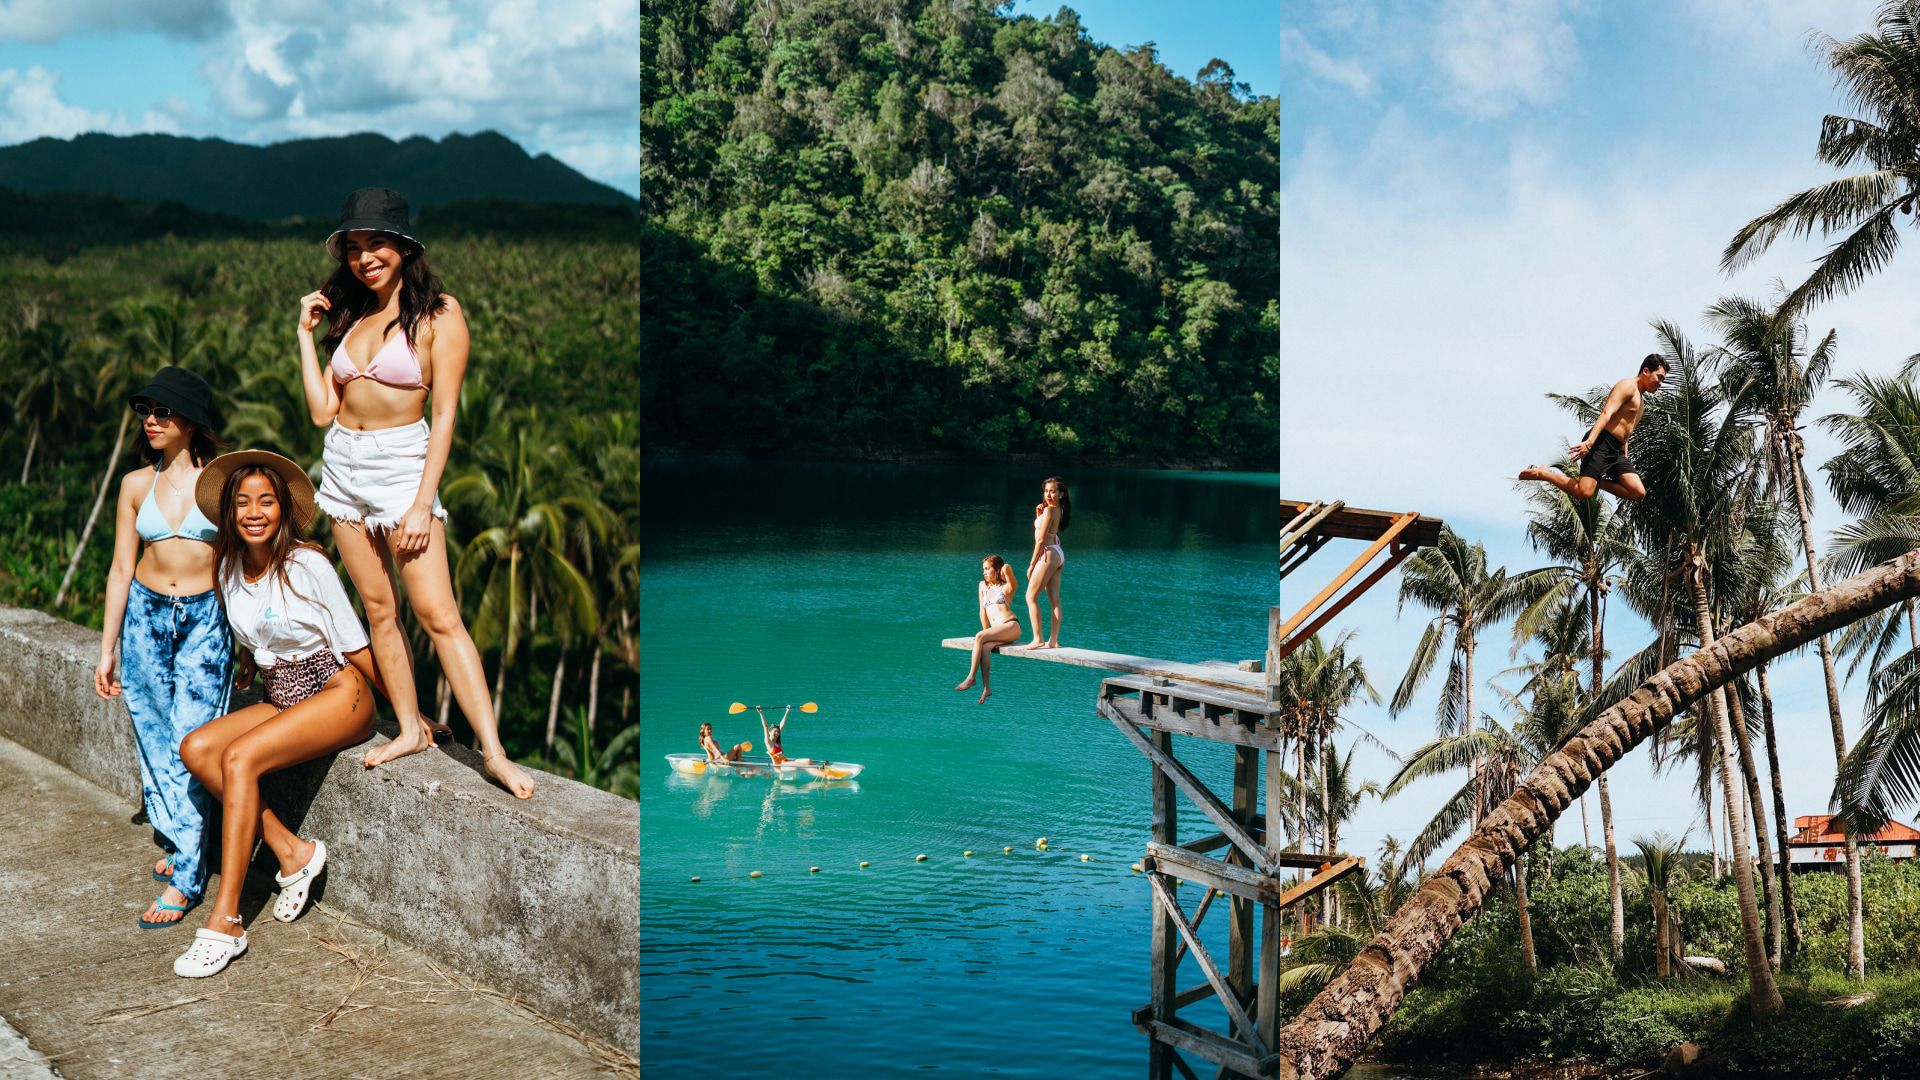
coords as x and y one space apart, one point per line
290 682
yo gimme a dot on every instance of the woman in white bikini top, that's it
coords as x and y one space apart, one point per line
998 624
1050 519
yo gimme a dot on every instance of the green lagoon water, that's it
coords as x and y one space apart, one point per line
835 583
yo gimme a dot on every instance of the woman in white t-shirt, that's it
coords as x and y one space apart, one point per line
293 624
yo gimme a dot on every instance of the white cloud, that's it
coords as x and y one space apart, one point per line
1295 47
30 107
556 75
44 21
1775 31
1496 55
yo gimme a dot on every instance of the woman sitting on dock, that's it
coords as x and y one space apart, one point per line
292 619
1000 626
1050 519
714 753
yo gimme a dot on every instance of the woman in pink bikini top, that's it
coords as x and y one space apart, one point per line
397 346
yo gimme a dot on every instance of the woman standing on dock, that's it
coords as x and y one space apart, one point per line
297 628
1000 627
1050 519
397 342
175 655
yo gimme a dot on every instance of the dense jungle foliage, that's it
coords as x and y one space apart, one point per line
543 487
883 227
1479 1003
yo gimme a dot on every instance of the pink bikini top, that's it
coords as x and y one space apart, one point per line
398 369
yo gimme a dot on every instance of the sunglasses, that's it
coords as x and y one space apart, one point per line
159 412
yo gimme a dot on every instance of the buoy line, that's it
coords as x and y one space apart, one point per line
1041 844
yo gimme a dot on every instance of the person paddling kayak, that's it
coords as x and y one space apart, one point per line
714 753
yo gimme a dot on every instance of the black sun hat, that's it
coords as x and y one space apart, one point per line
183 392
376 208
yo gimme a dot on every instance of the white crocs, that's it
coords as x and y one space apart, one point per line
209 955
293 890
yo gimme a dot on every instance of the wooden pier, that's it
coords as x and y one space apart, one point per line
1242 705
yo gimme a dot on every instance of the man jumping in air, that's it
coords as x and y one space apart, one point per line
1604 464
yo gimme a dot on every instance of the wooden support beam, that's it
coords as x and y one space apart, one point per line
1303 523
1166 964
1199 916
1394 558
1180 1063
1352 523
1196 791
1216 874
1227 997
1196 719
1321 880
1196 992
1400 525
1301 860
1246 782
1211 1045
1266 1005
1299 556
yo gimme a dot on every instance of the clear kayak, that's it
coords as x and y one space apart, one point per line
764 768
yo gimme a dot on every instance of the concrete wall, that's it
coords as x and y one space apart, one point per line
538 898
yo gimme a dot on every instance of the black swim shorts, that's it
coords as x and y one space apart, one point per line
1607 460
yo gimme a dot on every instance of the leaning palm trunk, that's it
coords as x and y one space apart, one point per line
1790 909
553 703
32 442
1856 906
1756 812
1329 1034
106 481
1765 997
1614 898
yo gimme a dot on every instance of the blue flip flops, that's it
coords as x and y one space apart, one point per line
167 878
161 903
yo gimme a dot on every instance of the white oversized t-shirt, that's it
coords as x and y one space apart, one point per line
278 625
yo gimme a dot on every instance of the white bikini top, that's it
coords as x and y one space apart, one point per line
996 594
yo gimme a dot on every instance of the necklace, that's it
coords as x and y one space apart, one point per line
177 489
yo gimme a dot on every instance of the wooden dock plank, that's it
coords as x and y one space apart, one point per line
1218 673
1352 523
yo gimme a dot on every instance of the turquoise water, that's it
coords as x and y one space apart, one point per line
834 583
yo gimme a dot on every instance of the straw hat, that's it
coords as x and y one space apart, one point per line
213 480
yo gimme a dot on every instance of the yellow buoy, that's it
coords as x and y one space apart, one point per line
968 854
696 879
863 864
813 870
1137 870
756 873
919 858
1086 858
1009 847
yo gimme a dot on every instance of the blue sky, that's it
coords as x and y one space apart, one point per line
1486 200
1244 33
557 76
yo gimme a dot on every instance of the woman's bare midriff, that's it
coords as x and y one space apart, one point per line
176 566
366 405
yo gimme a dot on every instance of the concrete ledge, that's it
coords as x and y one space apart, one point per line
539 899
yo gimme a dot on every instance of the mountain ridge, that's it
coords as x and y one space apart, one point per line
300 178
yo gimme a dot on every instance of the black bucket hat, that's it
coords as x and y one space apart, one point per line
377 208
182 391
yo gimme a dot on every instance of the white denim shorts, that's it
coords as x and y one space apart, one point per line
372 477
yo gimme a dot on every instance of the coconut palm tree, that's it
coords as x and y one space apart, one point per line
1339 799
49 380
1880 75
1695 451
520 554
1766 363
1329 1034
1660 854
1876 477
1451 579
1590 540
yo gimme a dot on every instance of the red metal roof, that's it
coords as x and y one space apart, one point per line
1821 830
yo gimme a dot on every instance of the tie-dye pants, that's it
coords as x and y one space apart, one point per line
176 672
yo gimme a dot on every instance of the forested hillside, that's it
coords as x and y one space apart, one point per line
881 227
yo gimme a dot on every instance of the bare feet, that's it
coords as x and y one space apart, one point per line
164 867
502 768
169 895
1036 643
968 685
984 695
413 739
1533 472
